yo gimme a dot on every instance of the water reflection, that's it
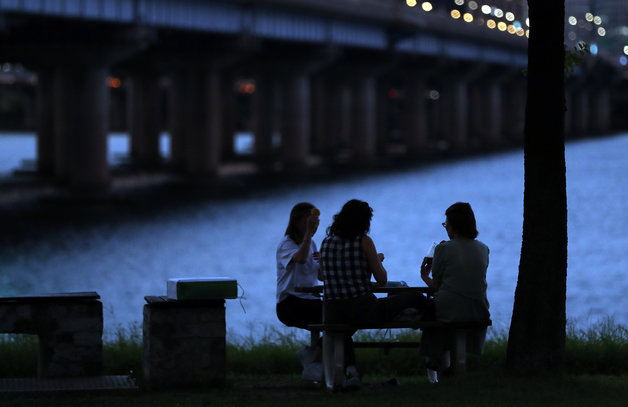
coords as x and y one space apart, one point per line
124 261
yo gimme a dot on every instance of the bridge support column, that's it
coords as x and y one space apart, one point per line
601 111
295 135
264 111
580 113
455 113
416 116
144 118
364 131
45 122
321 114
203 121
80 115
176 123
489 112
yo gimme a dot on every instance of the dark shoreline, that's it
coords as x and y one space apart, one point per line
31 208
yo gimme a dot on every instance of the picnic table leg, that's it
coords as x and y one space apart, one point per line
333 359
314 337
460 358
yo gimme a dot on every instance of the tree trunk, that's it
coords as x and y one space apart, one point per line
536 340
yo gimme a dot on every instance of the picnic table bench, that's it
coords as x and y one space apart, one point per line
333 335
69 327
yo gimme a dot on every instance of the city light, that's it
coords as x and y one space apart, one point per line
491 24
411 3
573 20
468 17
427 6
502 26
626 49
597 20
114 83
588 17
486 9
455 14
459 2
473 5
601 31
499 13
510 16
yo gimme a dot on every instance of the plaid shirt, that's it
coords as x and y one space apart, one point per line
345 268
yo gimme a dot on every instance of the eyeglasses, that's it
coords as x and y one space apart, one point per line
444 225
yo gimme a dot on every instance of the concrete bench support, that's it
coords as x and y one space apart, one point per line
69 327
184 343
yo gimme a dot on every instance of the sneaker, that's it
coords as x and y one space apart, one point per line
432 376
352 380
313 372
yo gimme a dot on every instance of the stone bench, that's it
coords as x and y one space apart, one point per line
69 327
184 342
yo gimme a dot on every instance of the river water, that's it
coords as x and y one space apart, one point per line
237 238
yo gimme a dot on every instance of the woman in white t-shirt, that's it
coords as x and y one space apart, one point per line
297 266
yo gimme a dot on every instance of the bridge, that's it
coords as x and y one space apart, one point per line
331 81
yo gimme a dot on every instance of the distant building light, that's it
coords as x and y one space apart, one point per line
411 3
601 31
459 2
573 20
499 13
491 24
588 17
593 48
623 60
502 26
486 9
473 5
527 21
434 94
455 14
521 32
468 17
114 83
597 20
528 33
510 16
427 6
626 49
511 29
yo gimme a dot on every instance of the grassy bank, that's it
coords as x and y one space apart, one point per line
601 349
265 372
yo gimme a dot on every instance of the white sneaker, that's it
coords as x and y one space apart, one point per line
313 372
432 376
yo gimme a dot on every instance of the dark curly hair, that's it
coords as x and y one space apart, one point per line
353 220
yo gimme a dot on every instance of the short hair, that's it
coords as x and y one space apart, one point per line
353 220
461 219
298 212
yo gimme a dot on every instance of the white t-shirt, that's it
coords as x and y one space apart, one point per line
291 275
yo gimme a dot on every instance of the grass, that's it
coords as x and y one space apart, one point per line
265 372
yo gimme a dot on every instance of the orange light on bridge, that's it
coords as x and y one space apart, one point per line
455 14
501 26
114 83
491 24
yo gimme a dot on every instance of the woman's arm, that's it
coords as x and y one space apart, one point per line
304 248
373 259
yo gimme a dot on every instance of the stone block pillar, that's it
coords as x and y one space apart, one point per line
45 122
455 115
184 343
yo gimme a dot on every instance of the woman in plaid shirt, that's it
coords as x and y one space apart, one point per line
348 260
